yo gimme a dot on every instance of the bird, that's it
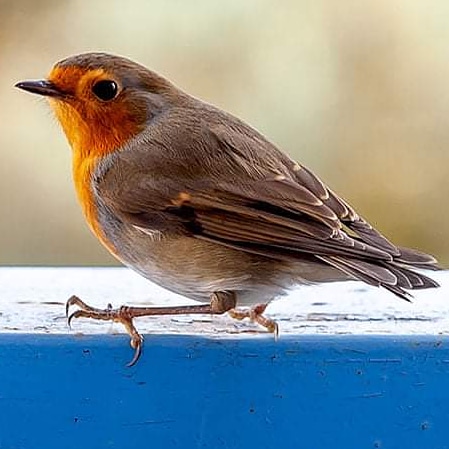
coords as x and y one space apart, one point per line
201 203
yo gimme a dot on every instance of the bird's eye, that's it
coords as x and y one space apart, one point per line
105 90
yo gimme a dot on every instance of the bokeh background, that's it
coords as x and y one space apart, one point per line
355 89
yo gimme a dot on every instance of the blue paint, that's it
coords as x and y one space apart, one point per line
314 392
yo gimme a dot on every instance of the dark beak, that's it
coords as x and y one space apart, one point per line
42 87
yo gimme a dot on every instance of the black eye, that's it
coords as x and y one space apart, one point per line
105 90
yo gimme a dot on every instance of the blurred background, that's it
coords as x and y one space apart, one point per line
356 90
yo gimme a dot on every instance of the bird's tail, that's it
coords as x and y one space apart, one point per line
397 276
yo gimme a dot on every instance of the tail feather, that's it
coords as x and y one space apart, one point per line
407 280
398 291
397 275
390 275
418 280
417 259
366 233
367 272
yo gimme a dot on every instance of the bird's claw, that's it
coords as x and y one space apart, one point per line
136 343
255 314
120 315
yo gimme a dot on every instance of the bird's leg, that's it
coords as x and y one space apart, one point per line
256 314
220 302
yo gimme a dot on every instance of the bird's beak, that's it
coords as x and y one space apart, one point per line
41 87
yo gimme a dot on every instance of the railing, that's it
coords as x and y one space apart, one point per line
354 368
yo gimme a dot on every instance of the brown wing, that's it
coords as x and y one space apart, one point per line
258 200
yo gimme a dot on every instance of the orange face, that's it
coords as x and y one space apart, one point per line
93 126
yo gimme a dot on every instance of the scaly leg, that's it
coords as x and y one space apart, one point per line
220 303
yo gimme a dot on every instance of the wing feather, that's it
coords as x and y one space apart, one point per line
248 195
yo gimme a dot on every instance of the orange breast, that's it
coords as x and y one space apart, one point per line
87 148
83 168
94 130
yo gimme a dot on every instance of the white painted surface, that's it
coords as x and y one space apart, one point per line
33 300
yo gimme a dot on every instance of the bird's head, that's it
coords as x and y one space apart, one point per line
102 100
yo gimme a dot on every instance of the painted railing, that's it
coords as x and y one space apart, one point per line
354 368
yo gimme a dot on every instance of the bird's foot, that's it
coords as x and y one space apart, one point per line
255 314
220 302
121 315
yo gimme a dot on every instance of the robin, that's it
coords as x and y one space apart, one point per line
201 203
